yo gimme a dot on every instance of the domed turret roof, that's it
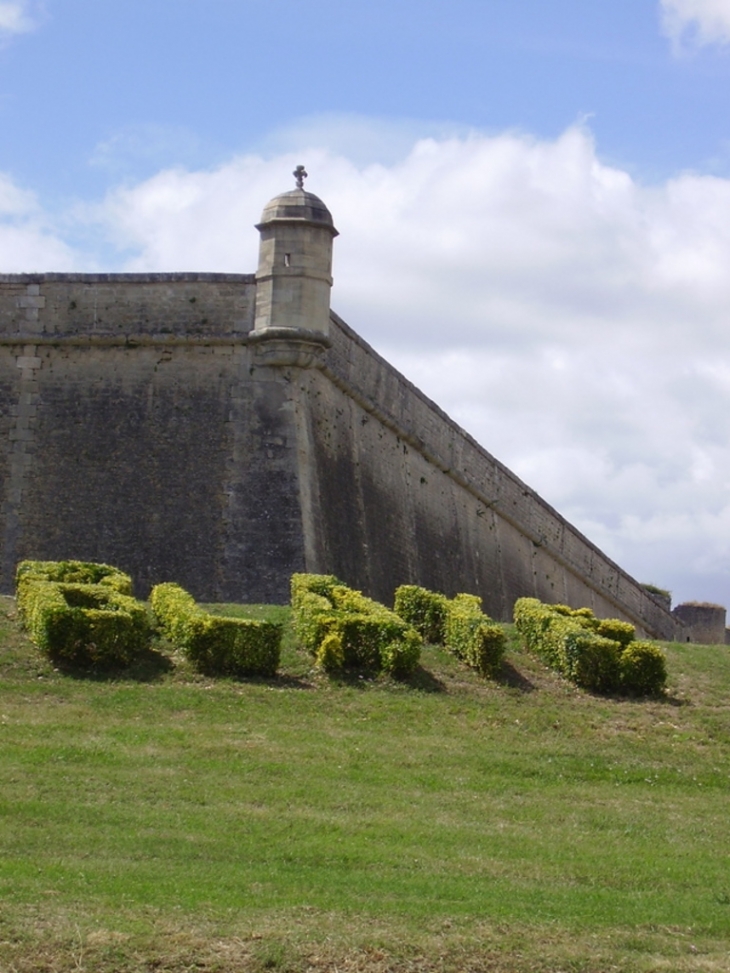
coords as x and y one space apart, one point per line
297 205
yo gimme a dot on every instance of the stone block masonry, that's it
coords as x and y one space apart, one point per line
158 423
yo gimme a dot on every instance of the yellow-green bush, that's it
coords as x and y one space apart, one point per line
472 636
543 629
74 572
214 644
614 628
424 610
314 584
313 616
330 655
592 661
87 625
370 635
643 669
458 624
597 654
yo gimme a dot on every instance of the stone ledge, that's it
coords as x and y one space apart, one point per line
143 278
122 341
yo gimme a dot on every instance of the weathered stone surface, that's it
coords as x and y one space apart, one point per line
703 623
139 426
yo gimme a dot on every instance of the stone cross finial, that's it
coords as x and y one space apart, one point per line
300 174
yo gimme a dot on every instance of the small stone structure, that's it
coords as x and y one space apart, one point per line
703 623
225 430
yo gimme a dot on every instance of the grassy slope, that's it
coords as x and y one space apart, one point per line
166 821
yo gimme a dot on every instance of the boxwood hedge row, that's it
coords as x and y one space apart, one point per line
81 614
601 655
459 624
216 645
342 628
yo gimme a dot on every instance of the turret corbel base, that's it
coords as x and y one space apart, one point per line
290 347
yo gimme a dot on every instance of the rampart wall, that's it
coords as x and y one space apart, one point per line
419 500
137 426
132 432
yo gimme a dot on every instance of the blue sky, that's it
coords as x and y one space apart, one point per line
533 199
192 81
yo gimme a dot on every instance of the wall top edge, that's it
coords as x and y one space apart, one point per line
523 487
131 278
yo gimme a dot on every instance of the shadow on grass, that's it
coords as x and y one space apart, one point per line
420 680
150 666
281 680
509 676
425 681
667 699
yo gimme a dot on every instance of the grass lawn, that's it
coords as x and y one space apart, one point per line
164 821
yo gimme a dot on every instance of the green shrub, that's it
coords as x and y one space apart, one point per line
370 635
312 584
424 610
562 609
400 657
74 572
592 662
312 616
586 613
543 628
330 655
458 624
214 644
614 628
643 669
472 636
85 625
598 655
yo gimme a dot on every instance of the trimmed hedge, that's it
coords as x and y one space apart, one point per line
74 572
592 661
614 628
214 644
472 636
643 669
597 654
86 625
342 628
424 610
458 624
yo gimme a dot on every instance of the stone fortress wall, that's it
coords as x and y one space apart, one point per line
226 430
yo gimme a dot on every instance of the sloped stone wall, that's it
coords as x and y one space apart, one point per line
139 427
399 493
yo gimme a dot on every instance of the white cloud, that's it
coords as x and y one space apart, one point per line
700 21
27 240
16 17
574 321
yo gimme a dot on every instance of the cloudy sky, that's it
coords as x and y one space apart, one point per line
533 198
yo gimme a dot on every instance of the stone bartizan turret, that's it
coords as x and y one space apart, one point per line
294 278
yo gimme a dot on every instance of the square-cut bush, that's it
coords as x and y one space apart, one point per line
84 625
544 628
424 610
459 624
472 636
643 669
614 628
598 654
592 661
74 572
340 625
216 645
